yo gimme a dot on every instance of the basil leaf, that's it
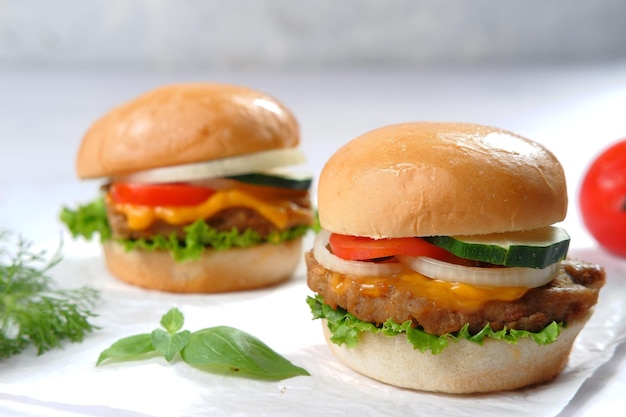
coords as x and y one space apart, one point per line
218 349
228 350
169 344
173 320
128 348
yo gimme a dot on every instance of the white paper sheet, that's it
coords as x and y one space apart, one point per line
66 382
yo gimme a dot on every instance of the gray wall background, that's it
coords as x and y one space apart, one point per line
308 35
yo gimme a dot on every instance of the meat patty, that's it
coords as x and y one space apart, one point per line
567 297
223 221
239 218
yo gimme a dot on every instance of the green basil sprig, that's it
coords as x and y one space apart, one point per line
221 349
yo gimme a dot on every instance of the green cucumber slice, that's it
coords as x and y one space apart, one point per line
290 181
536 248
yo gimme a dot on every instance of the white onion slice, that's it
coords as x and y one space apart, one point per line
335 263
236 165
495 277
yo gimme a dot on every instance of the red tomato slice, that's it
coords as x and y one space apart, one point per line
359 248
174 194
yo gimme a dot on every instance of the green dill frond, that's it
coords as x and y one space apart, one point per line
32 311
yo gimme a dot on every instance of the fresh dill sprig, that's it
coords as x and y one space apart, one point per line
32 312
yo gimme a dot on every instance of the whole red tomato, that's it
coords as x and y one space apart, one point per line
603 198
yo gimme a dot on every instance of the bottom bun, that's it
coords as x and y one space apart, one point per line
463 367
215 271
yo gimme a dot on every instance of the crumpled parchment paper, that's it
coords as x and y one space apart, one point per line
66 382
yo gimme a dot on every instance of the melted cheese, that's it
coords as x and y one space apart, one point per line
457 296
274 208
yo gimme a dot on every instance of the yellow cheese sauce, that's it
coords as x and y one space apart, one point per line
275 208
452 295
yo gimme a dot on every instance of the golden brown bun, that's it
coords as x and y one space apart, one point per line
184 123
461 368
424 179
216 271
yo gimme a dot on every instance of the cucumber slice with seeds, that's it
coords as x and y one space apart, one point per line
536 248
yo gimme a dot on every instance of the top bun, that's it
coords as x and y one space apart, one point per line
185 123
428 179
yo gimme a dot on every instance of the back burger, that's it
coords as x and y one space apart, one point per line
198 189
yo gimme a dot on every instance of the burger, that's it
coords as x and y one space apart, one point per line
199 189
440 265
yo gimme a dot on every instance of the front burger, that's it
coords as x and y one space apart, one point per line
199 192
440 265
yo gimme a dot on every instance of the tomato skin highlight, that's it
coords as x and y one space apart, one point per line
360 248
164 195
602 198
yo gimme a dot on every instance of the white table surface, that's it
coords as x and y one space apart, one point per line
574 111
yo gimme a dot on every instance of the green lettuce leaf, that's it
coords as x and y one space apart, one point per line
346 329
87 220
90 219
